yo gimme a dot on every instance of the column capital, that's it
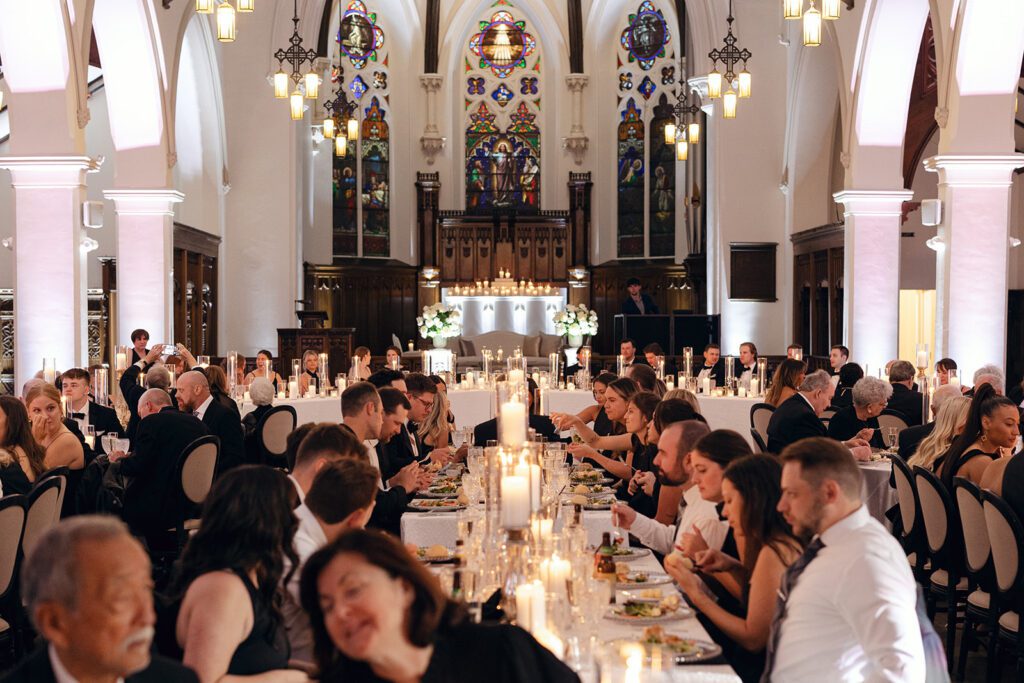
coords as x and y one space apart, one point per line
44 172
577 82
431 82
983 170
873 202
699 85
155 202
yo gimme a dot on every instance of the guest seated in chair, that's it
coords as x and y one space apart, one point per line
389 378
646 378
989 374
950 421
905 399
62 448
993 425
218 380
265 368
309 380
88 590
393 358
838 356
652 352
542 424
261 393
911 437
799 417
75 386
319 445
362 369
714 365
156 376
746 364
378 614
849 374
942 368
193 396
22 460
407 447
786 381
602 425
627 349
795 352
870 396
226 617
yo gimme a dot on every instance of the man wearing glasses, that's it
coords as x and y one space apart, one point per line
407 447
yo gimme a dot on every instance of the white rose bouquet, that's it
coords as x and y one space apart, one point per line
576 320
439 320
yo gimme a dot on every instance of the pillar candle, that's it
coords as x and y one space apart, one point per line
706 385
531 473
120 361
513 424
753 386
293 389
515 502
531 612
280 394
541 528
516 376
555 572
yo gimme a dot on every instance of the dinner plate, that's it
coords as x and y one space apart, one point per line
614 614
703 650
624 556
653 579
575 481
427 493
435 504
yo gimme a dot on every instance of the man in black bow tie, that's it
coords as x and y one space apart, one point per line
75 386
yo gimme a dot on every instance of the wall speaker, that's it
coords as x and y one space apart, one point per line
92 214
931 211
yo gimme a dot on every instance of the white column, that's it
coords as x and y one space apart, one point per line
871 273
431 141
577 141
972 263
145 252
49 291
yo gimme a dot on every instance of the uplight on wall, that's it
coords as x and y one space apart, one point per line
226 22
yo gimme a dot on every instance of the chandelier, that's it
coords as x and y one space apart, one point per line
683 129
739 84
225 13
794 9
294 54
341 122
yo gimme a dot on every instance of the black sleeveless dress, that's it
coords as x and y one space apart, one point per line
266 647
602 425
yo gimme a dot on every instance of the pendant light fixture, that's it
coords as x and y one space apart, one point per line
340 146
792 9
830 9
812 26
246 5
670 132
328 127
205 6
729 55
682 149
683 128
297 57
226 22
341 118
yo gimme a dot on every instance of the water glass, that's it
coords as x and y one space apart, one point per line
891 435
124 445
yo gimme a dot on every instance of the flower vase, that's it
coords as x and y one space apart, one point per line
438 341
575 341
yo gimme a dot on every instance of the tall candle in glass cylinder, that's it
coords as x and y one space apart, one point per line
620 365
762 375
232 372
687 362
512 423
515 502
730 371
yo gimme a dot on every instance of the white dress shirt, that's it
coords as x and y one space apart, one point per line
851 615
298 489
61 674
693 511
371 452
309 537
201 410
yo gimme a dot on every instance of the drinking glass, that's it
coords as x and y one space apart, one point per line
446 577
471 585
475 461
108 442
90 436
124 445
458 438
890 437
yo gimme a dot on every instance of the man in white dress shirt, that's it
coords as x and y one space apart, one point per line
847 606
341 498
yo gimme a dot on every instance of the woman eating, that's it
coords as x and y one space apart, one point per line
596 414
61 447
378 614
616 401
21 458
766 544
870 396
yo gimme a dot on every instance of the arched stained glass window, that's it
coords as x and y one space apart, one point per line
362 178
646 166
501 103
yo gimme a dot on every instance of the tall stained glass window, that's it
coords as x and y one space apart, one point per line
362 178
502 100
646 166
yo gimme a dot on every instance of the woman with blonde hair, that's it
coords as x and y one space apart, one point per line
435 428
685 395
62 448
949 424
310 377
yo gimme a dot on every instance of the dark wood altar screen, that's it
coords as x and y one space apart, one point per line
336 342
195 290
818 288
472 248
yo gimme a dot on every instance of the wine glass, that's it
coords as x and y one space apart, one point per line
107 441
890 437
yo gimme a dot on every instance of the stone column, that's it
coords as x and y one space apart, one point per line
431 142
49 283
972 260
145 252
577 140
871 273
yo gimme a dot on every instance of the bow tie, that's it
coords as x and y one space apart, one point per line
76 416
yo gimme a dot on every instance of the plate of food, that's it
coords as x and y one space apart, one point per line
684 650
669 608
593 490
640 579
435 554
625 553
448 489
431 504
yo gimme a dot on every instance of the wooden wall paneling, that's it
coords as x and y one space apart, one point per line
835 278
820 313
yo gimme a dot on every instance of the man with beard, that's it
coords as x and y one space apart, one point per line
89 594
673 466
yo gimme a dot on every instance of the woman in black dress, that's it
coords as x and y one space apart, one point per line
21 458
849 375
991 431
870 396
226 618
379 615
603 425
639 415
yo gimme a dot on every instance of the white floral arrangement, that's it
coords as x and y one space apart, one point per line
576 320
439 320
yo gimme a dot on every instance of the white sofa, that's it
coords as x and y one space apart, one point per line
535 347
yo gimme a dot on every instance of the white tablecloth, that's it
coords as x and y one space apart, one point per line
428 528
327 409
568 401
876 492
471 406
728 412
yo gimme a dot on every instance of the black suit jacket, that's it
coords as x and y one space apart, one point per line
629 306
488 431
907 403
793 420
104 419
225 423
911 437
150 499
399 453
36 668
717 371
132 392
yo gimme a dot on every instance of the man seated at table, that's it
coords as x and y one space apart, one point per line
838 356
627 349
714 365
407 447
319 446
88 590
848 606
799 416
795 351
156 377
911 437
746 364
389 378
651 353
193 396
870 396
905 399
542 424
989 374
412 477
75 385
341 498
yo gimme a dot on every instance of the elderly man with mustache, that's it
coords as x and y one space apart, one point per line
88 591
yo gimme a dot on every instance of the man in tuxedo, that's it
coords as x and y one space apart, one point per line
406 447
838 356
193 396
389 378
156 377
637 303
139 340
542 424
651 353
911 437
795 351
905 399
799 416
627 349
151 497
88 591
75 386
746 364
396 411
714 365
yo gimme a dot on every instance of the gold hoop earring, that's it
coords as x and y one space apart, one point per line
984 437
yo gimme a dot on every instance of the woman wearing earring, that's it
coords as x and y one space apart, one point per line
992 429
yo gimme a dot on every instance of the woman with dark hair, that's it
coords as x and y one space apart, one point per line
264 368
616 403
227 619
993 425
595 413
942 368
218 380
378 614
786 381
21 458
849 374
639 416
393 358
362 369
750 491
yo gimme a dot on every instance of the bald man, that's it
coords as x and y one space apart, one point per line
193 396
152 499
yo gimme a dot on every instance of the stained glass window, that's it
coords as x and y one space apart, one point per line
502 136
362 178
645 165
